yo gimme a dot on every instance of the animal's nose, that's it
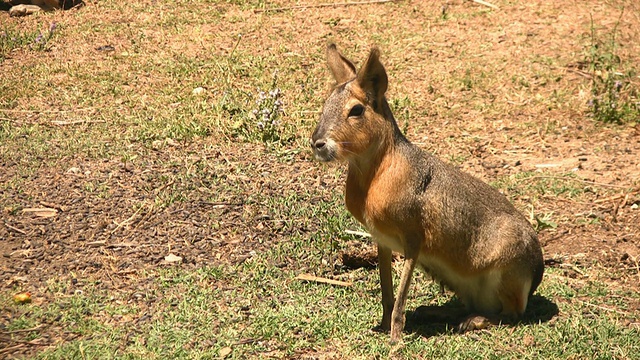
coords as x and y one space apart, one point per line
319 144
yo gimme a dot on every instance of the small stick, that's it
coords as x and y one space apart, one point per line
15 229
52 205
358 233
481 2
39 209
24 330
323 5
574 268
308 277
97 243
126 221
615 197
74 122
623 313
11 348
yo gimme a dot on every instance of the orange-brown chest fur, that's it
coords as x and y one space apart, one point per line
377 197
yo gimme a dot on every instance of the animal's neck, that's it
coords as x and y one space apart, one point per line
364 167
371 164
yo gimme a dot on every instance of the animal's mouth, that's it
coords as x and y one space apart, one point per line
324 149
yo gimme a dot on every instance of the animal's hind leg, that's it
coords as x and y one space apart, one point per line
514 295
512 291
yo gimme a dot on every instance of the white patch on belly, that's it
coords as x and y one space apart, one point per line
387 241
478 292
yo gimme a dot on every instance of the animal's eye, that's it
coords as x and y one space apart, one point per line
356 110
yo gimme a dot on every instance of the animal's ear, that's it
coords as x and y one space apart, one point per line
372 76
343 70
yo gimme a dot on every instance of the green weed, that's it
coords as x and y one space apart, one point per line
614 97
263 123
12 38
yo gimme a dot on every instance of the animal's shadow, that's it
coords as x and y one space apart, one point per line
436 320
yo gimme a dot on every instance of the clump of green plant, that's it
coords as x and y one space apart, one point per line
264 121
544 222
40 43
11 38
614 98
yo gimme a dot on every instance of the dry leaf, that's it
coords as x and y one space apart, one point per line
528 341
225 351
22 298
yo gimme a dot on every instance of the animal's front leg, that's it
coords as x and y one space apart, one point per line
386 284
397 317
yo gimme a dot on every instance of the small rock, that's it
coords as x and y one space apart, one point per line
198 91
171 258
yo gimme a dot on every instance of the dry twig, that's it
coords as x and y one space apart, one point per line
23 330
358 233
15 229
481 2
11 348
616 197
308 277
74 122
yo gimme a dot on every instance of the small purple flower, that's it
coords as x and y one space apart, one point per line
275 93
39 39
590 103
52 27
617 85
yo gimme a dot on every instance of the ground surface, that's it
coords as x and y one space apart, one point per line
109 162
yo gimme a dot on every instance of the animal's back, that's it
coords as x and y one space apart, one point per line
473 234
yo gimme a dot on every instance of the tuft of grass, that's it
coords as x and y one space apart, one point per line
614 97
37 40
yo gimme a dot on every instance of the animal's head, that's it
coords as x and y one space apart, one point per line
352 119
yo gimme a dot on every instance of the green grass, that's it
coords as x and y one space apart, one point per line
615 94
12 38
259 310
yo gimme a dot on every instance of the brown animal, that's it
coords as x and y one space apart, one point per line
461 231
28 7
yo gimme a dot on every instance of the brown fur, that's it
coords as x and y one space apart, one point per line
28 7
459 229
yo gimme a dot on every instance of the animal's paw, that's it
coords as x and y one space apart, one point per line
381 328
473 322
23 10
